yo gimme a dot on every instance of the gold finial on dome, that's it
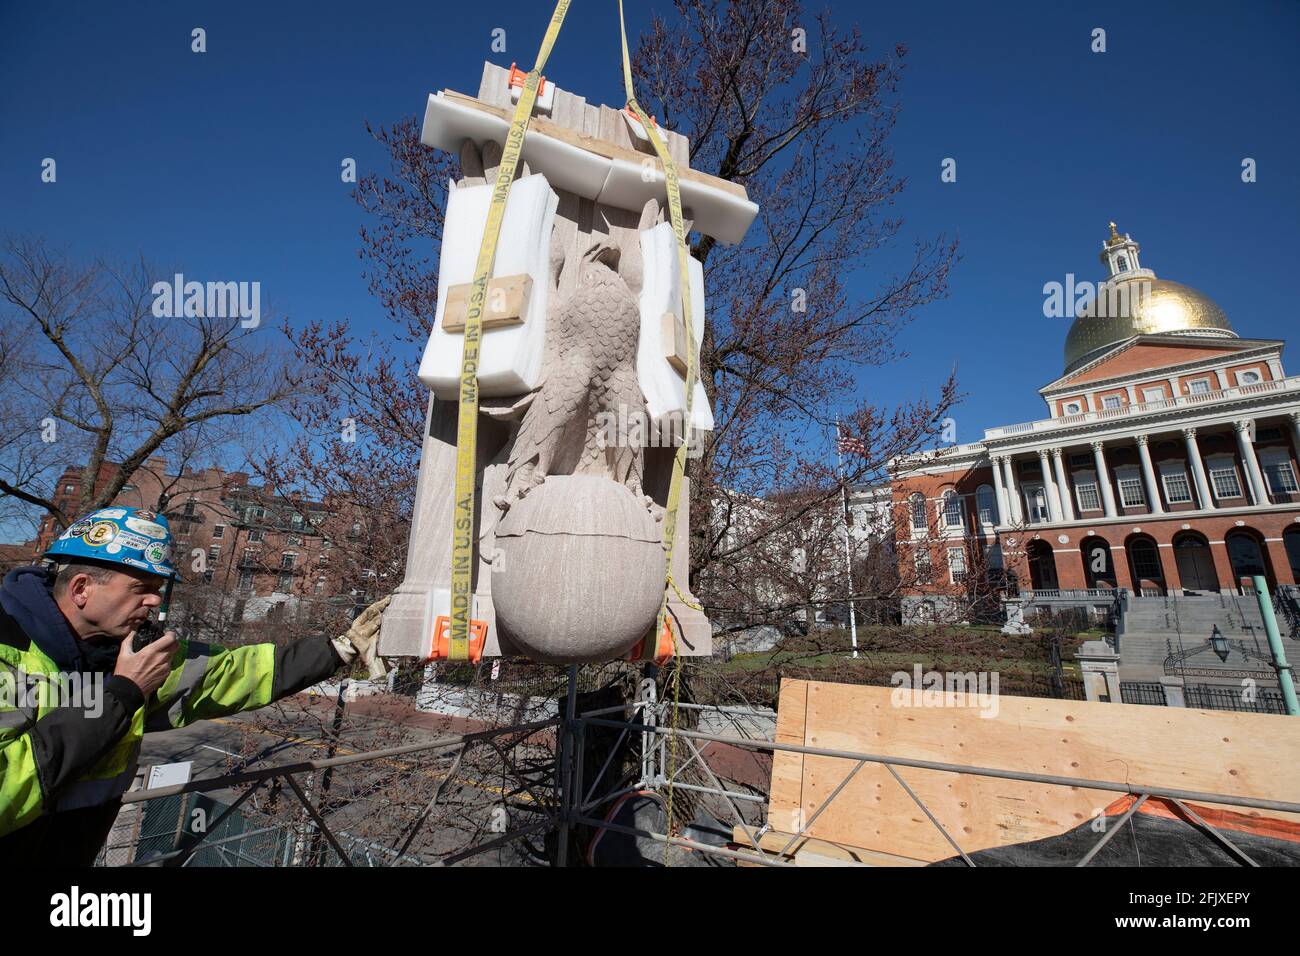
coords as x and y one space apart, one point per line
1114 235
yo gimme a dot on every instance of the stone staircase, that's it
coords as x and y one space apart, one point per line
1153 626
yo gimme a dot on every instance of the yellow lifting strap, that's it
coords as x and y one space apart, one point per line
692 371
462 535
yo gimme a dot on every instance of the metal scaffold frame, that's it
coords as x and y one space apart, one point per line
576 799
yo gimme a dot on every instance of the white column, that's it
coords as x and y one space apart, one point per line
1223 378
1295 430
1149 473
1013 492
1198 470
1132 394
1103 479
1173 385
1004 515
1063 485
1257 489
1049 486
1275 367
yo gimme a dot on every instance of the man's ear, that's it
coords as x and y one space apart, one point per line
77 589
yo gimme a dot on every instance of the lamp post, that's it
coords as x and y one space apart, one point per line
1275 645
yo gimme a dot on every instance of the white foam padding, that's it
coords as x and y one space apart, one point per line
615 182
510 361
661 291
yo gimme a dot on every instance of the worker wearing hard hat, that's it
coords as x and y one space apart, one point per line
76 695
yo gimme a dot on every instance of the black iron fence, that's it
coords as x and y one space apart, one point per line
1258 700
1142 692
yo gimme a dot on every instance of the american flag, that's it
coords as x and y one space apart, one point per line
847 444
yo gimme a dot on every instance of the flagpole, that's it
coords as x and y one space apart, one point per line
848 550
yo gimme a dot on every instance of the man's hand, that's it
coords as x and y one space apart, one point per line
148 667
363 636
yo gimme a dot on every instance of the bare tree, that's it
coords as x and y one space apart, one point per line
101 379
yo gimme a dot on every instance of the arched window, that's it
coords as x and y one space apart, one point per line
951 509
1122 264
986 504
917 504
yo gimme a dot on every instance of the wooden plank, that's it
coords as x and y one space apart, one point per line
507 303
786 793
1239 754
600 145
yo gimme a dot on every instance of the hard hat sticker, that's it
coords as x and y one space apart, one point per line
146 515
156 552
77 530
146 527
125 539
100 533
108 513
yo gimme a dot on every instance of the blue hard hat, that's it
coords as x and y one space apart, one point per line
128 536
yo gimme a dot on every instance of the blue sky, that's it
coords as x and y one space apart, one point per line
226 164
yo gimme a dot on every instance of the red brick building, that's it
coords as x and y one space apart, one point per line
245 553
1166 464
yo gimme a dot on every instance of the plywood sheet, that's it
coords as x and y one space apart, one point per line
1239 754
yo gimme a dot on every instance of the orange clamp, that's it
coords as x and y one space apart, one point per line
662 652
441 649
518 77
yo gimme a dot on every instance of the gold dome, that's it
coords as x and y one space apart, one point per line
1141 305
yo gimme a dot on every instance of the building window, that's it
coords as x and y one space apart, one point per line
214 553
128 487
1248 377
957 565
356 530
986 505
250 556
1085 492
1200 386
1121 264
293 540
951 509
245 580
188 510
320 585
923 568
207 576
1130 489
1073 408
1037 498
918 512
1177 490
218 531
285 584
1223 479
255 534
69 489
1153 394
288 559
296 521
1111 402
1278 472
1146 562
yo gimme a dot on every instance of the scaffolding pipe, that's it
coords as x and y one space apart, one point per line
1129 788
